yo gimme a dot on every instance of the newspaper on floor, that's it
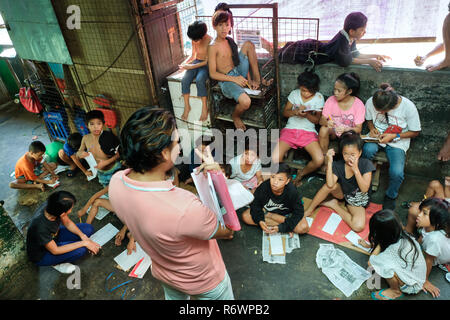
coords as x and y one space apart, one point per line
291 244
342 271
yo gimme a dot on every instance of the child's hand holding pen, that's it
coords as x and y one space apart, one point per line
330 122
374 133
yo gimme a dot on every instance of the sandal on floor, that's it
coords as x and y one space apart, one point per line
71 173
374 296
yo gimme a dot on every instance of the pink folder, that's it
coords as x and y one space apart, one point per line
230 218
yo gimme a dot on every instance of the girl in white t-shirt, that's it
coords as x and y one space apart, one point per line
393 120
246 168
434 218
303 110
395 256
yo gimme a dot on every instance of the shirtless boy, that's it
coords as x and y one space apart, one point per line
196 67
106 165
233 70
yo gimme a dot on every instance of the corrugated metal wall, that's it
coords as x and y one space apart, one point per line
106 55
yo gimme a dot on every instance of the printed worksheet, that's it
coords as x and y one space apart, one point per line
105 234
332 223
126 261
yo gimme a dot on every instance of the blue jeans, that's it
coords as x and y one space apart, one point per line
396 158
230 89
200 75
66 237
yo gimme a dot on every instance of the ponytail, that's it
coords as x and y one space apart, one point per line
385 98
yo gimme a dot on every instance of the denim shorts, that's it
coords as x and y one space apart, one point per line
230 89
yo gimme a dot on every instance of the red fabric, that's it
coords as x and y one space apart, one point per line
110 117
343 229
29 100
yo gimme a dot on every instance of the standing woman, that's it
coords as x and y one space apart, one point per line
394 120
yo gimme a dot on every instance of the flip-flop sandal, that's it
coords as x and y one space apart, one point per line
71 173
374 296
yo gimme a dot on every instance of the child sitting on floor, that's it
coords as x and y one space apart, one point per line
277 206
239 195
49 243
246 168
68 155
434 221
343 111
107 164
434 190
29 172
300 131
348 179
395 256
196 67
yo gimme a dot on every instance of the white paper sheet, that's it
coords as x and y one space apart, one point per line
207 194
126 261
310 221
61 168
353 237
332 223
105 234
252 92
92 163
276 244
52 185
141 268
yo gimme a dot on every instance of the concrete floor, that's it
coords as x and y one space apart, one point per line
251 278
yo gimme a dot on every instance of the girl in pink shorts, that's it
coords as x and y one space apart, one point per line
303 110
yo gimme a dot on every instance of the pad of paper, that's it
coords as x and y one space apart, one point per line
353 237
105 234
276 244
332 223
126 261
92 163
252 92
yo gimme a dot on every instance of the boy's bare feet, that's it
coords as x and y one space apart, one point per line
41 186
238 123
444 153
330 204
438 66
185 114
204 115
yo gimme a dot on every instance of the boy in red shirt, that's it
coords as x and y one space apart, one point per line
29 173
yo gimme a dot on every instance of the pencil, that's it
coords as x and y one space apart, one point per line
80 220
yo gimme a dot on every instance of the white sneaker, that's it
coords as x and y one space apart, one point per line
65 267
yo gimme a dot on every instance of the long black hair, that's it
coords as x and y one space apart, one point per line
386 229
351 81
439 213
385 98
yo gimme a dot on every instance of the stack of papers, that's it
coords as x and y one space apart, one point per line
273 246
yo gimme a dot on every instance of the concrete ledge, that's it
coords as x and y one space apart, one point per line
430 91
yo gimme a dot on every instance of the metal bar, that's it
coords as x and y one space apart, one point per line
275 56
145 52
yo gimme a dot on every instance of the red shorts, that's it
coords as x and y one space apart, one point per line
297 138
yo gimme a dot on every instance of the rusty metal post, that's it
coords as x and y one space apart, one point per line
275 56
144 51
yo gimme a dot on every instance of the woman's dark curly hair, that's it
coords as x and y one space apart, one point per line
144 136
